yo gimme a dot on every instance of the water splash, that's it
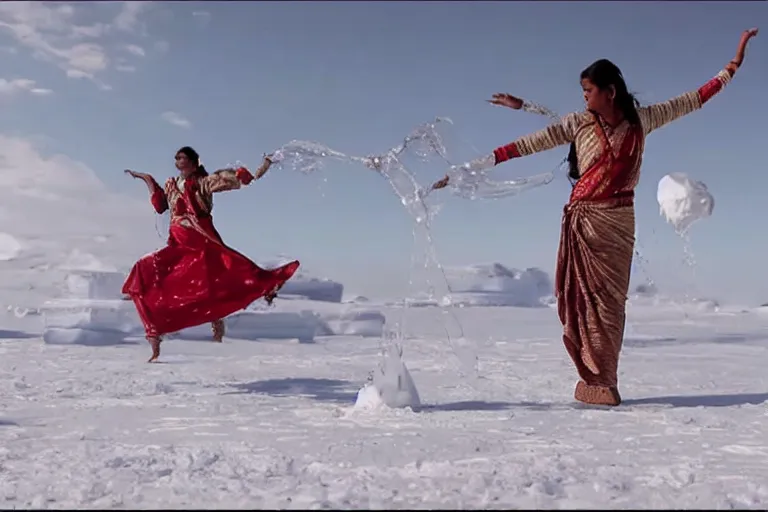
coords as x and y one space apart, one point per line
471 180
536 108
426 144
642 263
689 263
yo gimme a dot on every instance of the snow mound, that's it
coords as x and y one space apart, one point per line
10 248
369 398
323 290
86 337
94 284
79 260
683 201
329 319
351 321
392 385
99 315
687 304
494 284
304 286
254 325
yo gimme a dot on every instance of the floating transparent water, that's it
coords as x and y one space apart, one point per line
472 180
424 145
535 108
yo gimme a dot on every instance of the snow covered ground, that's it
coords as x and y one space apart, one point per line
271 423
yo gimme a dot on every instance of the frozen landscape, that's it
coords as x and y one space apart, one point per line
392 371
292 411
281 415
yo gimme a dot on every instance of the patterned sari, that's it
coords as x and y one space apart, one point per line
597 231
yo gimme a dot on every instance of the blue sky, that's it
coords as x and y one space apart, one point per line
242 78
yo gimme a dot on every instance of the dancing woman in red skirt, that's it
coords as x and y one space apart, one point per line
196 278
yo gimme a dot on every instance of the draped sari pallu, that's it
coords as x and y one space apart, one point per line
595 258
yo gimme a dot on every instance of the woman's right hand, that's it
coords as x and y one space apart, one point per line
506 100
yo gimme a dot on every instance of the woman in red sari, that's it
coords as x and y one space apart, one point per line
196 278
597 233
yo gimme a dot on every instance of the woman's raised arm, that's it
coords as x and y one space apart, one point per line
657 115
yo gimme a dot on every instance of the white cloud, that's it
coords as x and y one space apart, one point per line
88 57
128 18
176 119
34 188
51 32
76 73
202 16
16 85
135 50
21 85
125 68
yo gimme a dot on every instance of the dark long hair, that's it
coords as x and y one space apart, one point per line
190 153
604 73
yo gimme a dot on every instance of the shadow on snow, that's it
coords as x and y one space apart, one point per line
16 335
703 400
324 390
757 338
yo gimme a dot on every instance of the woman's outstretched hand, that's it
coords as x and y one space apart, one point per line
134 174
742 48
263 168
440 184
506 100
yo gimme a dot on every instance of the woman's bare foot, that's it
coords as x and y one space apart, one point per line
154 342
217 326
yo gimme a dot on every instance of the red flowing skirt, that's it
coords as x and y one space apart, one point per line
197 279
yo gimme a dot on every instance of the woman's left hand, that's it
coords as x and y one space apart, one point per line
441 184
742 48
263 168
506 100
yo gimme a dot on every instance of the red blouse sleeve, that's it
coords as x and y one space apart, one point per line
156 194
